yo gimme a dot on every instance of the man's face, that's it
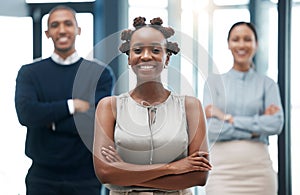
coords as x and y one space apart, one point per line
63 29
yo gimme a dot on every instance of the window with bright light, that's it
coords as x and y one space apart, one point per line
295 97
194 53
223 19
148 9
272 70
186 52
231 2
16 49
57 1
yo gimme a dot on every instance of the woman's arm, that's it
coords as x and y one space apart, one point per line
212 111
198 142
269 122
122 173
218 129
171 182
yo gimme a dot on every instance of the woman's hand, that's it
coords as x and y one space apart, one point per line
213 111
111 155
198 161
272 109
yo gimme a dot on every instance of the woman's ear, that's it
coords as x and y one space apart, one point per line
128 60
256 46
228 45
168 59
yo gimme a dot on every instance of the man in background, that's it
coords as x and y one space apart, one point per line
55 99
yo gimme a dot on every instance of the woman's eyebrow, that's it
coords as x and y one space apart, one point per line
151 44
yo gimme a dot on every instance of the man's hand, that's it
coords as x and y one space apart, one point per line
81 105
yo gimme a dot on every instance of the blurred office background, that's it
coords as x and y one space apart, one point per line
201 30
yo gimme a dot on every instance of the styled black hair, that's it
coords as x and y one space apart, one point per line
156 23
250 25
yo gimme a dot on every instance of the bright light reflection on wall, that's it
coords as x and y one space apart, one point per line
56 1
149 10
148 4
222 21
295 97
231 2
16 50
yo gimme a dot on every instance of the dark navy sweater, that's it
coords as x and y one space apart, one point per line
42 91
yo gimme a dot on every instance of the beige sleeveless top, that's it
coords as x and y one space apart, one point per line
150 134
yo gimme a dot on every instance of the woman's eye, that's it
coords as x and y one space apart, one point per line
156 50
248 39
137 50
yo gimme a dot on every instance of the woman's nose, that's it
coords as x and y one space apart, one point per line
241 43
146 55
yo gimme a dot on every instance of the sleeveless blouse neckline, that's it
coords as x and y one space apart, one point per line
150 105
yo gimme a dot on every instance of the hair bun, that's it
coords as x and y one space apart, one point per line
156 21
139 21
126 34
173 47
168 32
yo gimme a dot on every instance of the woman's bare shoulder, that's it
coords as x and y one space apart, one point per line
107 104
192 102
108 100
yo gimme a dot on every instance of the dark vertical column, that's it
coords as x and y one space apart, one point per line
109 19
37 32
284 141
99 25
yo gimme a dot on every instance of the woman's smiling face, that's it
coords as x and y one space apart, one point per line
147 55
243 45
